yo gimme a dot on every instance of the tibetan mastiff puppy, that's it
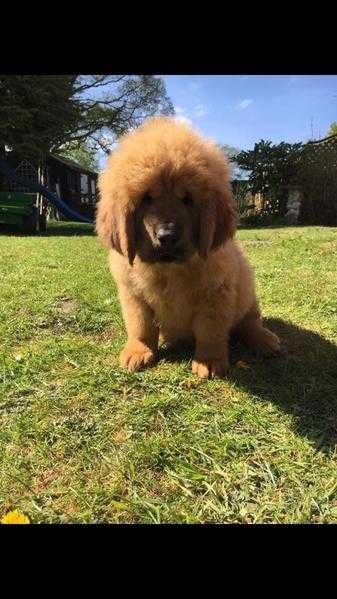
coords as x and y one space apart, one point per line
167 215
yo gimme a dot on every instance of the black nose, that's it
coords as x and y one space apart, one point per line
167 236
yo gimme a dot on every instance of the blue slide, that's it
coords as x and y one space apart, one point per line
50 197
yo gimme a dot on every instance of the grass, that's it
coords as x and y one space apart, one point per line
83 441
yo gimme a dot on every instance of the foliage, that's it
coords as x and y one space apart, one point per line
230 151
242 196
113 104
82 152
332 129
272 168
311 168
43 113
36 112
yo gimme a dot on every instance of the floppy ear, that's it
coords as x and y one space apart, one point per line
115 226
218 220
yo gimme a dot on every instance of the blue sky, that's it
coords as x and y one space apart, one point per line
242 109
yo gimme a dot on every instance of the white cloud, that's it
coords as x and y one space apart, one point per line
182 115
244 104
200 110
184 119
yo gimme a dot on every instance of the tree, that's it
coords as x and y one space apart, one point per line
84 153
231 152
36 112
272 168
333 129
45 113
113 104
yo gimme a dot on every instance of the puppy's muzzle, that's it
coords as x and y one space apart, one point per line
168 238
168 243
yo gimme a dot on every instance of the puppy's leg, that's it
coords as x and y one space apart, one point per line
211 350
142 344
210 359
255 335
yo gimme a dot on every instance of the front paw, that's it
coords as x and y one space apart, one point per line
210 368
135 356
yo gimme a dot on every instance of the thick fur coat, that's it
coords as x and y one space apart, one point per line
167 215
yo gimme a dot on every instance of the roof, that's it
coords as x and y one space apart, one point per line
73 165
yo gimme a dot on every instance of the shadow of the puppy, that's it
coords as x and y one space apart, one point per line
302 381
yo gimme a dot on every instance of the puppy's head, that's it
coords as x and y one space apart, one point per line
165 195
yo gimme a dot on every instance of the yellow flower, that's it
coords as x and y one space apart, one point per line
15 517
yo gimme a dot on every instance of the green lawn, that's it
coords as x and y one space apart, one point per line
83 441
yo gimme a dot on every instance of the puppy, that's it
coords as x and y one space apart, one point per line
167 215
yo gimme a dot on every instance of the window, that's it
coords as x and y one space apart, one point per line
28 172
84 184
73 181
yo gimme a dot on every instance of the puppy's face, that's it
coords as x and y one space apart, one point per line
165 195
167 226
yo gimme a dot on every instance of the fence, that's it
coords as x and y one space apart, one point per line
315 180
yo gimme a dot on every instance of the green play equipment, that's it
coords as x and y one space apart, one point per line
17 208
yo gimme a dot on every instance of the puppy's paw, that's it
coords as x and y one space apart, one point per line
268 343
210 368
136 356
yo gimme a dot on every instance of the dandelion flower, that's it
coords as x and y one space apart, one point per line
15 517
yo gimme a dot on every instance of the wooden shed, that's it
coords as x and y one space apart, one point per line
73 183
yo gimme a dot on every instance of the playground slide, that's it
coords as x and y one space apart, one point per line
48 195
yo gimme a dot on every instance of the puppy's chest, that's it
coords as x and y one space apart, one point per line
173 297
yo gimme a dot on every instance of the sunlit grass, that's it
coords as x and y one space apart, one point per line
83 441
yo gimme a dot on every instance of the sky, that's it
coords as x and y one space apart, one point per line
239 110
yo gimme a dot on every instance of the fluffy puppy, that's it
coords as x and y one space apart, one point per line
167 215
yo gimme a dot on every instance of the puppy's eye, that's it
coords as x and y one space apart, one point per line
187 200
147 200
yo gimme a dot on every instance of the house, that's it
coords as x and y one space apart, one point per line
74 184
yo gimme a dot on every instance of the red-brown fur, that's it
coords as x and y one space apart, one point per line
210 292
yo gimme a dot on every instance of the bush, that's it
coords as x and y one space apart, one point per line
272 168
